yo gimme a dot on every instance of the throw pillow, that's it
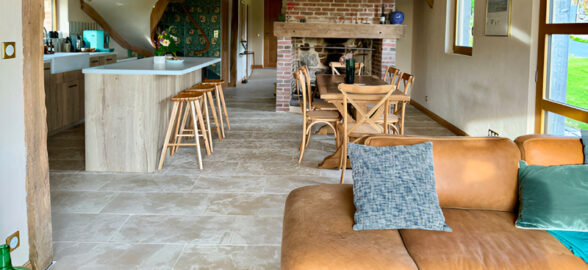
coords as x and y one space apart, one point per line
394 188
553 197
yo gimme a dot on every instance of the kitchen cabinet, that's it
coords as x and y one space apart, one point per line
64 99
64 94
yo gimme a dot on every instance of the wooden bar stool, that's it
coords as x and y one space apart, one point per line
207 89
182 131
193 102
220 100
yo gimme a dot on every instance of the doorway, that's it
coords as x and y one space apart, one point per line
270 42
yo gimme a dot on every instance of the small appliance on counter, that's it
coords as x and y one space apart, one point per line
94 39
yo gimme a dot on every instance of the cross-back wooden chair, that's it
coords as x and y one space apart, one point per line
396 117
311 117
391 75
367 118
320 105
335 65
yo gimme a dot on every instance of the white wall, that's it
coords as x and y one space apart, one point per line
13 209
255 30
256 20
494 88
404 49
71 10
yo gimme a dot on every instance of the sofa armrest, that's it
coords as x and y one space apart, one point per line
548 150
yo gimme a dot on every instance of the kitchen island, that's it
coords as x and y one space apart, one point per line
127 109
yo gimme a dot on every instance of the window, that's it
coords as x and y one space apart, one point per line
50 22
562 77
464 25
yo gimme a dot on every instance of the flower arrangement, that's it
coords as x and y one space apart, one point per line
166 43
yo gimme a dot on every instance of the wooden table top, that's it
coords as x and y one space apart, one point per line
328 86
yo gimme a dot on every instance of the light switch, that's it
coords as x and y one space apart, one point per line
215 33
8 50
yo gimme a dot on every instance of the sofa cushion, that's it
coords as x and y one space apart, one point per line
318 234
553 197
474 173
394 188
548 150
487 240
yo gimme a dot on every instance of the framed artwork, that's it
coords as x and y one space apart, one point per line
498 18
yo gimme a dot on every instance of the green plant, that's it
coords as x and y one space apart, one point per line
166 43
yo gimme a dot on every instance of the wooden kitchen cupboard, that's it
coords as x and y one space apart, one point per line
64 99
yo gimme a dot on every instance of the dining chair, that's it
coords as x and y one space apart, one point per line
335 65
396 116
367 118
391 75
311 117
320 105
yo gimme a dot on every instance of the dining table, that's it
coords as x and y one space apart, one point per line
328 88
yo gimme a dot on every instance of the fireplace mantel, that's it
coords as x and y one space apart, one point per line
333 30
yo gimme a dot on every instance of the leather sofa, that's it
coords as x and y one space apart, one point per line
476 181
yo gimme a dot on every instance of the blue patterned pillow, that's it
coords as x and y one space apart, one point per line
394 188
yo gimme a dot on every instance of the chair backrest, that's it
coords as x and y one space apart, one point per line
360 97
301 87
335 65
391 75
309 96
407 81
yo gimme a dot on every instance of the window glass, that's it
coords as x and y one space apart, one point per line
567 77
568 11
48 21
559 125
464 23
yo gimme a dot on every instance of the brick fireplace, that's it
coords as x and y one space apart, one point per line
350 24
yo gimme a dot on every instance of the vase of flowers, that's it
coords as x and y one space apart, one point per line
164 44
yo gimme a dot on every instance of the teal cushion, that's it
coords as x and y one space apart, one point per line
553 197
585 144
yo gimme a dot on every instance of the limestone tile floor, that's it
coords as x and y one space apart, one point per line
228 216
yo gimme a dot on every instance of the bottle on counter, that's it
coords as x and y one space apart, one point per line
383 16
46 48
51 48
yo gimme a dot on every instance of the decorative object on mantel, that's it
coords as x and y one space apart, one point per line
430 2
165 43
498 18
396 17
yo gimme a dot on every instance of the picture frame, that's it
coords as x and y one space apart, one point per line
498 18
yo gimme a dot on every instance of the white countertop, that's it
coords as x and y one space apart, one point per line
146 66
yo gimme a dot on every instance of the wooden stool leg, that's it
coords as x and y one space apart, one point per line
222 97
208 131
175 135
196 139
182 128
213 110
220 112
168 135
202 127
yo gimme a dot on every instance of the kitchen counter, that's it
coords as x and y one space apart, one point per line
146 66
68 61
127 109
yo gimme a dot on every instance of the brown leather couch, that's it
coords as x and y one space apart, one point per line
476 182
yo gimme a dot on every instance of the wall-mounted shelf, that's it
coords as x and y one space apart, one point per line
334 30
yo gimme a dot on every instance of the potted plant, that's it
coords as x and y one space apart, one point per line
164 44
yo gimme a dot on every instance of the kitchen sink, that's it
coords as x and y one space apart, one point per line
63 62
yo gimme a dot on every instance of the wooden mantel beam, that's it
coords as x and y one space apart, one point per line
333 30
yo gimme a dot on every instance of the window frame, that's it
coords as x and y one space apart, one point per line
542 104
457 49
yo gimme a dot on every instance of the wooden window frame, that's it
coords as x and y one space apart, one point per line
542 104
465 50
